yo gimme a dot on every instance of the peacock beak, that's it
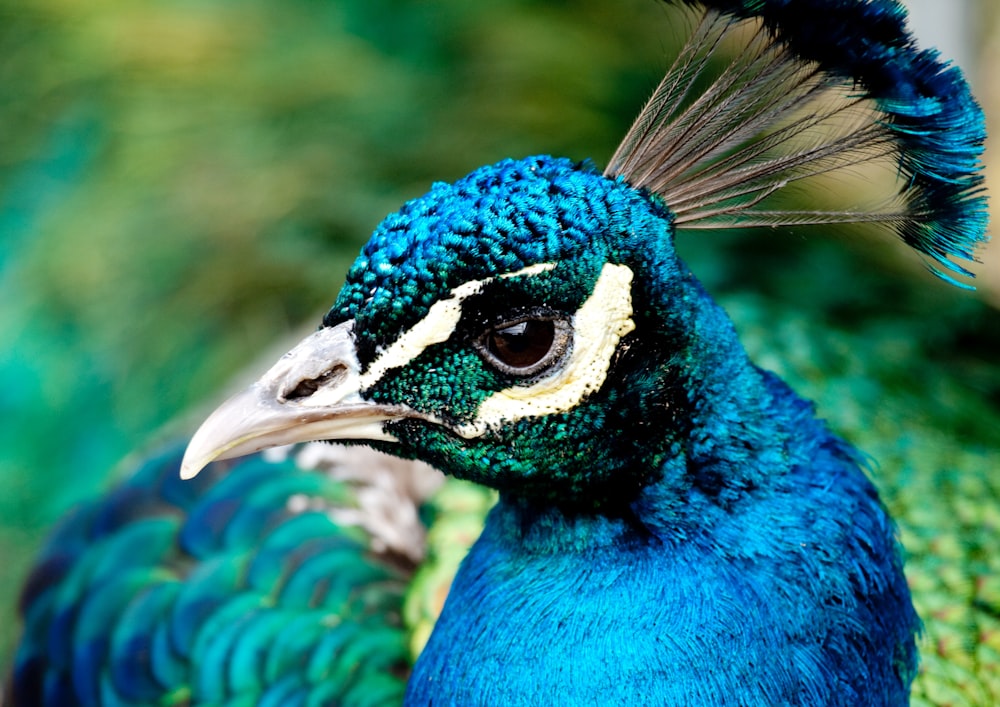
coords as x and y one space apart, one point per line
313 392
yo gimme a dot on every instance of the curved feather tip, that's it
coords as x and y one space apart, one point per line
799 98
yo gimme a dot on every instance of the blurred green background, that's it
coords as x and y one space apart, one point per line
183 184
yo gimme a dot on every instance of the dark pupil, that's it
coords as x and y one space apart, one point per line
524 344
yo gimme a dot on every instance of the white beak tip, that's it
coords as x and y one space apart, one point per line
190 468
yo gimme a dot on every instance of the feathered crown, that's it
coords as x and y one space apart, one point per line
797 98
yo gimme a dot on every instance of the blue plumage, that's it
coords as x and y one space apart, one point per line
674 524
707 531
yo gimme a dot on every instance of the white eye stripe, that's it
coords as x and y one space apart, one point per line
600 323
436 327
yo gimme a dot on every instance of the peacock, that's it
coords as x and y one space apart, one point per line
631 511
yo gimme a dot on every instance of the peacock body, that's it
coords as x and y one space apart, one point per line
674 524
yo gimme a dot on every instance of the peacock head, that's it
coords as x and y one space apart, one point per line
507 328
530 326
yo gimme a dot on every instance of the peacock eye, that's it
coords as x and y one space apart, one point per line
525 347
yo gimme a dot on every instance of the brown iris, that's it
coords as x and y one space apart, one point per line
527 346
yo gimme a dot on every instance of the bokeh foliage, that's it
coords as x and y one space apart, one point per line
183 183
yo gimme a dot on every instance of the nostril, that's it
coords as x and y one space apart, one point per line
309 386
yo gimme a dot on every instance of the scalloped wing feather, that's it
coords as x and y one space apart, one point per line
251 585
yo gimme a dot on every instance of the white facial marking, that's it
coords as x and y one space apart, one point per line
436 326
599 325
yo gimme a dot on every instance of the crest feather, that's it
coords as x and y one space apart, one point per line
762 97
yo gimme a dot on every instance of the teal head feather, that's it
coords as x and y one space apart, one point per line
548 246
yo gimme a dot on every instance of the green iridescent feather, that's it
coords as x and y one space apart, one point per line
235 589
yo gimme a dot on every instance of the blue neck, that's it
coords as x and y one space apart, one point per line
788 591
